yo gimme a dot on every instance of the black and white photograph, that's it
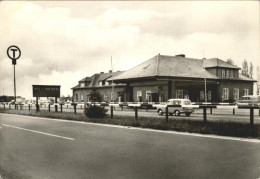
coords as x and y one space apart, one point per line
129 89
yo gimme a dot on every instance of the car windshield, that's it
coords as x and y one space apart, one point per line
187 102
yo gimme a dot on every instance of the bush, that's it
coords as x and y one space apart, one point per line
95 111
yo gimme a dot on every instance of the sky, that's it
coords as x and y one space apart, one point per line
64 41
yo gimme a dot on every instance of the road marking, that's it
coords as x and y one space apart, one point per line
150 130
53 135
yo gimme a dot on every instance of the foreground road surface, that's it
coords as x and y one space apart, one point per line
44 148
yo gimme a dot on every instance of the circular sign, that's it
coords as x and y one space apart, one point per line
13 52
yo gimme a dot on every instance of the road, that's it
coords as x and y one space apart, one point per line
46 148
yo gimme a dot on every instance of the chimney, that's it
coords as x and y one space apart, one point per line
102 72
204 62
180 55
110 71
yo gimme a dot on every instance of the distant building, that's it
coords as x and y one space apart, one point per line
98 88
163 77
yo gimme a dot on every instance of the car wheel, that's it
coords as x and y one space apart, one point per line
160 112
177 113
188 113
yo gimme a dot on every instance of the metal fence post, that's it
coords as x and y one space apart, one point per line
166 113
4 106
136 112
251 116
61 108
49 107
37 107
123 108
29 107
234 111
75 109
111 111
56 107
205 114
210 110
10 107
21 107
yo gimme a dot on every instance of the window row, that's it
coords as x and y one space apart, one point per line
105 83
225 93
227 73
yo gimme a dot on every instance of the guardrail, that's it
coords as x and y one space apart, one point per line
136 105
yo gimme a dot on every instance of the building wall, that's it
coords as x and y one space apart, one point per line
159 89
234 84
105 90
108 90
80 92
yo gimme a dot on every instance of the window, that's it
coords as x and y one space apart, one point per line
139 96
236 93
245 92
231 74
100 83
179 94
223 73
82 84
201 95
227 73
148 96
81 97
209 95
105 97
112 96
107 83
225 94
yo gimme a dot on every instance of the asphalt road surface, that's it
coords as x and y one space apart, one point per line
44 148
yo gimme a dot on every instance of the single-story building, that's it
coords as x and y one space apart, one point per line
163 77
97 88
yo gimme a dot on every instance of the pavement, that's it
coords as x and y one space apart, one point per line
34 147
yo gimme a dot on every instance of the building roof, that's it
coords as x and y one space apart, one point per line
106 76
177 67
86 79
168 66
96 78
215 62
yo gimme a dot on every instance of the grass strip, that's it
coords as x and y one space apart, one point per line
223 128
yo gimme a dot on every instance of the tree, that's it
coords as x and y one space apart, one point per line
230 61
251 70
245 68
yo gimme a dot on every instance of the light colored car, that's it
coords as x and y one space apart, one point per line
179 106
249 100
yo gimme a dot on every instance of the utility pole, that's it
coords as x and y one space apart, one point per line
205 79
112 93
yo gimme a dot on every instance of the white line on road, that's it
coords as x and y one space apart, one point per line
53 135
150 130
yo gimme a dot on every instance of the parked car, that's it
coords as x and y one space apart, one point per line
180 106
249 100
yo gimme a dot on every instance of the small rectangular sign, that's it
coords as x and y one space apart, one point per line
46 91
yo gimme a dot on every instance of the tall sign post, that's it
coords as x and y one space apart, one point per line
13 52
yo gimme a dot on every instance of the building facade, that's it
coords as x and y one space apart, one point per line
163 77
97 88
